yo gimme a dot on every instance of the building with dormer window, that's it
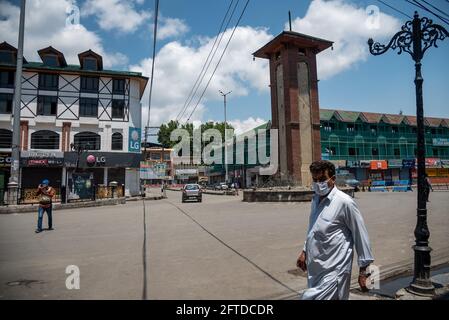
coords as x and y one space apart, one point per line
64 107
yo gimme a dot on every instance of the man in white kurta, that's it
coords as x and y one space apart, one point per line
335 228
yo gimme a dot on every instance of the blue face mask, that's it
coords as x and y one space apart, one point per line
321 188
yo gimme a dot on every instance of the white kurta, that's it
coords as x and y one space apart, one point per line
335 226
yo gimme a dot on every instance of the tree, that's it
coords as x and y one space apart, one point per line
165 130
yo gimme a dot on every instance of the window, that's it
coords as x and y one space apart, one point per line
6 103
7 79
45 139
89 84
333 151
50 60
394 129
433 131
47 105
118 86
48 81
374 151
352 151
90 64
350 128
329 127
88 107
397 153
88 141
118 109
155 156
167 156
414 129
5 138
117 141
435 152
7 57
373 129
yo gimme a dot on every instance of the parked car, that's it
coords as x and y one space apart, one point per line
192 191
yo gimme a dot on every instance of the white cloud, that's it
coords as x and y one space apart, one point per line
120 15
171 27
242 126
348 26
45 25
178 65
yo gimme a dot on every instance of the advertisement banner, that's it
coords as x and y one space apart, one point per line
408 163
445 163
433 163
134 140
379 165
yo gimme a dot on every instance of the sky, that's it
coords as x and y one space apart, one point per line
350 78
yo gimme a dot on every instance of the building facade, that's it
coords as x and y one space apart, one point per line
372 146
79 123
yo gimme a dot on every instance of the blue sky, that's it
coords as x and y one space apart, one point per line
362 82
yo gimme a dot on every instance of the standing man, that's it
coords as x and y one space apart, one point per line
427 187
335 227
46 194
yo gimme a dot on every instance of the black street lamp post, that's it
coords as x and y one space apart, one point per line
416 37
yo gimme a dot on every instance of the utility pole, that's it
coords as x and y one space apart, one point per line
13 185
226 153
415 38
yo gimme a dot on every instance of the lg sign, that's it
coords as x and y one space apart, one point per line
93 160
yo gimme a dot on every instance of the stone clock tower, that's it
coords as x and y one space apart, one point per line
294 101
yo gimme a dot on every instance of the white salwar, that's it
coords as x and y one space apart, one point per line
335 226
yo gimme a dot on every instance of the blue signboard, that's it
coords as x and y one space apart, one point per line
134 139
408 163
440 142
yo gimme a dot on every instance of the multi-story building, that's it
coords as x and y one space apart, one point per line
157 166
372 146
65 108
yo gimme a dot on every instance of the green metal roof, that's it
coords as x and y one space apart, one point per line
77 68
326 115
349 116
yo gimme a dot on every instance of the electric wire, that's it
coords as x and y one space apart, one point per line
219 61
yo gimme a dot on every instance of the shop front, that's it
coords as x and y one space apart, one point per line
5 173
37 166
359 168
184 176
379 171
91 173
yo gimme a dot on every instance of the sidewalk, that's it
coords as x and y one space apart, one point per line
24 208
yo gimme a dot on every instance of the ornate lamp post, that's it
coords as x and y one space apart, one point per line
415 38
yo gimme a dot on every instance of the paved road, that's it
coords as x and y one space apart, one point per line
221 248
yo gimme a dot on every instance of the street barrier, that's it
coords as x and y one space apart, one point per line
401 186
378 186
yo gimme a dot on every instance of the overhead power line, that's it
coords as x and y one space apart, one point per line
219 61
423 7
397 10
207 63
152 71
439 10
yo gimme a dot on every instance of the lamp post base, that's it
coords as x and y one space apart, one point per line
421 290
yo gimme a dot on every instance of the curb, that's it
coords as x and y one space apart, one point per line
74 205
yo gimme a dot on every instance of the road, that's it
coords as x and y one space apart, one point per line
221 248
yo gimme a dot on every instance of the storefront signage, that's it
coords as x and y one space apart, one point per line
395 163
42 158
408 163
445 163
379 165
358 163
441 142
186 172
102 160
433 163
134 140
5 160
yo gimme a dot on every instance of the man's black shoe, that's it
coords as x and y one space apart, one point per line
38 231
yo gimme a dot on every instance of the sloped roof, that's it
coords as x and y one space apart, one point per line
434 122
348 116
51 50
372 117
394 118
